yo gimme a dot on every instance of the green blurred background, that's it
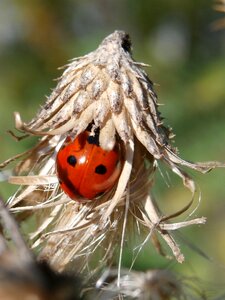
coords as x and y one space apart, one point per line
187 59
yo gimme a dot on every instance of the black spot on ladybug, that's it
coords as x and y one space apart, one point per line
72 160
93 139
60 181
101 169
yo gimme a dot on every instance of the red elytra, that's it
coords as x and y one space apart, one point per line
84 169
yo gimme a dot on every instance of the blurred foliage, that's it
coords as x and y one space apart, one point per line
187 64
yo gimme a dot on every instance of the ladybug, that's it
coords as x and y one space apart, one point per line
84 169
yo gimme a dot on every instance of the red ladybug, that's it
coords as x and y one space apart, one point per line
84 169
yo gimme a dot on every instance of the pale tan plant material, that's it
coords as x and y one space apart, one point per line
21 277
149 285
220 7
109 90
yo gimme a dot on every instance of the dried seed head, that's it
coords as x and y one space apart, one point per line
149 285
106 87
109 90
105 84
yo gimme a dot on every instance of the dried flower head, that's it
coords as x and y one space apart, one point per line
105 89
149 285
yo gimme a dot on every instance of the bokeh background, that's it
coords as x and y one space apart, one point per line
187 57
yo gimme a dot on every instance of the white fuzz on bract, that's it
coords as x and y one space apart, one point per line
109 90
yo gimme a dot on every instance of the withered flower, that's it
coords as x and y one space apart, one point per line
153 284
105 89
